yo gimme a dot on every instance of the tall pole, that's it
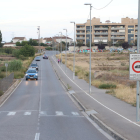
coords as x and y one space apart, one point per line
90 51
138 47
74 54
66 53
61 47
39 38
90 56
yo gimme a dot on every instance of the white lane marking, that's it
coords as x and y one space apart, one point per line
11 113
37 135
43 113
27 113
59 113
97 100
75 113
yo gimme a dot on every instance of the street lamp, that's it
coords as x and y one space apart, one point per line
38 28
90 51
61 47
74 53
66 52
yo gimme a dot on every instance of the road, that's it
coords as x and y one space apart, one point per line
42 110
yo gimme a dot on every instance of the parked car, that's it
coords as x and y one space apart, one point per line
31 74
34 65
45 57
37 58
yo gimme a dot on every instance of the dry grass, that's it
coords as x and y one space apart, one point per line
106 68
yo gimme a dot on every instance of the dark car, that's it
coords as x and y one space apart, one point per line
34 65
31 74
45 57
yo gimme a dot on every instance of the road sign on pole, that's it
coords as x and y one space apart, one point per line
134 67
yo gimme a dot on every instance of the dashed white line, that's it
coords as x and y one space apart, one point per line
37 135
11 113
27 113
58 113
75 113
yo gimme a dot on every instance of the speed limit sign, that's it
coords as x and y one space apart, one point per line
134 67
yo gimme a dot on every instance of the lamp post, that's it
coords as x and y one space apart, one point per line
66 52
74 53
90 51
61 48
38 27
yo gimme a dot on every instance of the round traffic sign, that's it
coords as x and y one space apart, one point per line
136 66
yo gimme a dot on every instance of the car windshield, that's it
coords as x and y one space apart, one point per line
33 64
31 71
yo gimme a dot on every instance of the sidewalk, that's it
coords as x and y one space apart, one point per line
116 114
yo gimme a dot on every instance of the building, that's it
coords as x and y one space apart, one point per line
63 38
125 31
10 44
48 40
18 39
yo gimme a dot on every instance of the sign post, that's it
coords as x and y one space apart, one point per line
6 65
134 74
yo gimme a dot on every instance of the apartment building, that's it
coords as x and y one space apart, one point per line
126 31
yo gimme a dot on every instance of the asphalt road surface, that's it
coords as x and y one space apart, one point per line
42 110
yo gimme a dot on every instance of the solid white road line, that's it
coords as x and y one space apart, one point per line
27 113
58 113
11 113
43 113
74 113
97 100
37 135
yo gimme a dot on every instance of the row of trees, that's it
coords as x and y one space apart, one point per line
30 42
1 40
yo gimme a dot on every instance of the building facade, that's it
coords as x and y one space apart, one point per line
18 39
63 38
124 31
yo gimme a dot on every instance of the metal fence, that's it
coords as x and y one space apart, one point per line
6 82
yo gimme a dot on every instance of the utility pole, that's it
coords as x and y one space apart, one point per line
39 37
61 48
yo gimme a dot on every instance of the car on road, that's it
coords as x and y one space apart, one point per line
34 65
31 74
38 58
45 57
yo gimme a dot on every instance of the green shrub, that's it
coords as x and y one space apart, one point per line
22 57
1 93
3 69
107 86
15 65
16 53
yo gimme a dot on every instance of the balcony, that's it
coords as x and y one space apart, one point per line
100 38
136 33
117 37
117 28
101 33
136 28
80 33
79 38
100 28
80 29
118 33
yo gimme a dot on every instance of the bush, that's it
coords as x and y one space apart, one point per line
3 69
27 51
107 86
101 46
15 65
16 53
2 75
22 57
1 93
18 75
48 48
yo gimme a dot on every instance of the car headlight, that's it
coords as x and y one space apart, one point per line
26 74
36 74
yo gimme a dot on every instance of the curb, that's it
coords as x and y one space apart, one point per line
102 125
107 129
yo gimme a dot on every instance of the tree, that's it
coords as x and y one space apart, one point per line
125 45
1 39
102 46
110 43
88 44
79 44
135 42
120 42
18 44
23 43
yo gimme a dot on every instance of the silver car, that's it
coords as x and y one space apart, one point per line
38 58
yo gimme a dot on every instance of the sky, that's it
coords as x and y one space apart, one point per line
21 18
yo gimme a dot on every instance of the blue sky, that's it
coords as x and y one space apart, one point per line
21 18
